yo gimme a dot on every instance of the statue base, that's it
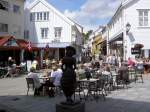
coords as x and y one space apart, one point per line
77 107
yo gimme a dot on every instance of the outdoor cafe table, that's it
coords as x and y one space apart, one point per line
90 80
43 79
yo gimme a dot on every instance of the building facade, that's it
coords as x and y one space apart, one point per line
47 27
130 26
12 18
96 43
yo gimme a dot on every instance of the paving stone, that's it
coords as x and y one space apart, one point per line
136 98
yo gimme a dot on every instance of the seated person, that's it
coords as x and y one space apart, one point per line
56 74
55 78
123 73
81 72
34 76
140 66
106 70
131 63
107 74
88 73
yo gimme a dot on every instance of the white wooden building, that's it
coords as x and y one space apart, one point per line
130 25
12 18
46 26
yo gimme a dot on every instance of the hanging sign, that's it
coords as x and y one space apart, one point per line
135 51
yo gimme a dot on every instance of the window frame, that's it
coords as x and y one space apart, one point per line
32 16
39 16
2 29
44 33
26 34
17 10
58 32
143 18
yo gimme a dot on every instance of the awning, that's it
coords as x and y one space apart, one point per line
5 39
11 42
22 43
54 45
117 38
97 39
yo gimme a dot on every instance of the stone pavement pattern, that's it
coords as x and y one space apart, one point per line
134 99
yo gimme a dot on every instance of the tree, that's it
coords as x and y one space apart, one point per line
86 35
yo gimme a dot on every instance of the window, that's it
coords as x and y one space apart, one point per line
32 16
44 32
38 16
26 34
4 5
58 32
45 15
3 27
143 17
16 9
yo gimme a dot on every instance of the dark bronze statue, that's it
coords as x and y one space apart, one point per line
68 80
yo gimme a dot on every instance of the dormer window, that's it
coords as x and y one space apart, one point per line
39 16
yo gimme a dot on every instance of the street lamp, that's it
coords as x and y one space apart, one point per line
128 27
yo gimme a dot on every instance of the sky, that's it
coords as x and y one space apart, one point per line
88 13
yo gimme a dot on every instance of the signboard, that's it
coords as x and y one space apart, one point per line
135 51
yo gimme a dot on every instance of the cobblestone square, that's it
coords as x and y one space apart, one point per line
135 98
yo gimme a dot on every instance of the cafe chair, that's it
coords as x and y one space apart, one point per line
30 84
139 74
122 78
79 89
101 88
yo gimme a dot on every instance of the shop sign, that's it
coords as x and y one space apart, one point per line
135 51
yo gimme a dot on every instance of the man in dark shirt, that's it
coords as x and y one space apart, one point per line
123 73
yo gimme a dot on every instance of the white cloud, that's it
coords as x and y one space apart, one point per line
93 11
